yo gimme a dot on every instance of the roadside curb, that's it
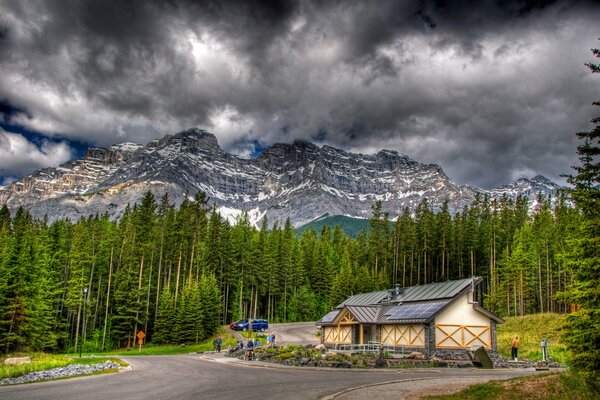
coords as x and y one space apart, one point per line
345 391
263 364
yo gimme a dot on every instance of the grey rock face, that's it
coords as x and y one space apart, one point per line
300 181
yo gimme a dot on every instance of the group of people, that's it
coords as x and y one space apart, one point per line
250 345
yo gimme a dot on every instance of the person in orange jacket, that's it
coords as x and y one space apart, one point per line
514 348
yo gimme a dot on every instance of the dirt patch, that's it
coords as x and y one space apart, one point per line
536 388
540 388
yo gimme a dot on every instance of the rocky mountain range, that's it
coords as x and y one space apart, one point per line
301 181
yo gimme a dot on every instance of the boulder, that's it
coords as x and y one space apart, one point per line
480 358
17 361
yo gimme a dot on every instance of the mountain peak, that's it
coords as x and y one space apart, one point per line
300 181
193 138
542 179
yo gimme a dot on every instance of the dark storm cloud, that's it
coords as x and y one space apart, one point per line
489 90
123 56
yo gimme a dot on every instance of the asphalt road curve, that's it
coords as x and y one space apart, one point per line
194 377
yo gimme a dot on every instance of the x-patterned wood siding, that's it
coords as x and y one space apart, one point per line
462 336
342 332
461 326
409 335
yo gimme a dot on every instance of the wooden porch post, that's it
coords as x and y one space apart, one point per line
362 337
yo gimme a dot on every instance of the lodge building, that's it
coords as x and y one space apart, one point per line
425 318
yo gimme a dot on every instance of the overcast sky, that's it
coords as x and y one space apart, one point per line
491 91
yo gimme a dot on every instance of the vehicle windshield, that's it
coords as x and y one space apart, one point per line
242 321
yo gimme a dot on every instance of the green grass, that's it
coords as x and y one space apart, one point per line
166 349
42 362
540 387
531 329
262 337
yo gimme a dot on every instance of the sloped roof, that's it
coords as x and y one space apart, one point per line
489 314
430 291
414 304
435 291
415 311
329 317
365 299
365 314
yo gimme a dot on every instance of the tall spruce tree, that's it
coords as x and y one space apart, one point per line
209 300
582 329
165 315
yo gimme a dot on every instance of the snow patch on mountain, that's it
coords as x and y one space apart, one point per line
300 181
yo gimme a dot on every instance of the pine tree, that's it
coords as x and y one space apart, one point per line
286 267
209 300
43 288
344 282
443 221
189 318
379 246
424 234
165 316
304 306
583 326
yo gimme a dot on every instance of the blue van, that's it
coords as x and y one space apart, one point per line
257 325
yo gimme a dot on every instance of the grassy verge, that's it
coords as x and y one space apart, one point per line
261 336
42 362
531 329
540 387
166 349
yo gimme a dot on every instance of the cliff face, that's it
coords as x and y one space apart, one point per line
301 181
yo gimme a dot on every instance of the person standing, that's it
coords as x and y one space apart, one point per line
219 343
250 349
514 348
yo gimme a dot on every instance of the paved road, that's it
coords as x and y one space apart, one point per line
295 333
195 377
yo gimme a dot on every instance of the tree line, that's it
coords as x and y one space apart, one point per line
178 273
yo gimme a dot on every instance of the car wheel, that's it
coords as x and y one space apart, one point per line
245 329
262 329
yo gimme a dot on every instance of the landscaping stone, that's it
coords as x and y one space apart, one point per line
59 373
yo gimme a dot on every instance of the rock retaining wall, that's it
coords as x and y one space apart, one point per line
59 373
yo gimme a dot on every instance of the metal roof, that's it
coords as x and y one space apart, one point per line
414 304
365 299
365 314
430 291
435 291
489 314
385 309
328 318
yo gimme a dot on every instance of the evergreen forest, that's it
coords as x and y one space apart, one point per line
178 273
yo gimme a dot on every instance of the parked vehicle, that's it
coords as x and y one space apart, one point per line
257 325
